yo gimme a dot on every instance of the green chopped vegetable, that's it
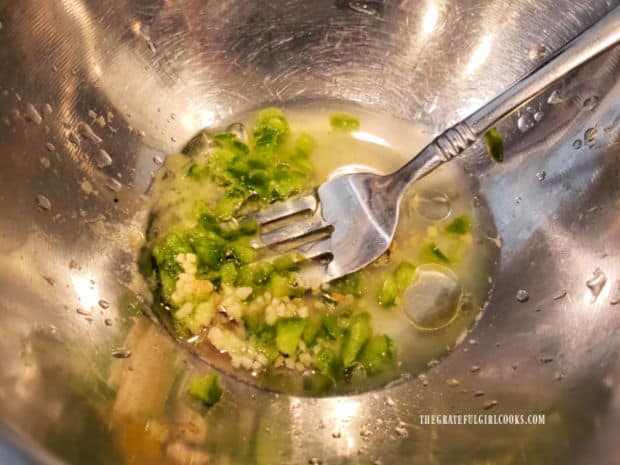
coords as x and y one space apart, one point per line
404 275
460 225
228 273
328 363
288 334
388 292
206 389
287 262
281 285
433 254
495 144
209 247
350 285
254 274
377 354
344 121
356 335
311 331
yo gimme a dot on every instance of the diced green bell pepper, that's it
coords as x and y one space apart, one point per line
459 225
377 353
356 336
288 334
206 389
344 121
388 292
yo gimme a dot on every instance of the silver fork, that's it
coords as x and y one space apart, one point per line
359 211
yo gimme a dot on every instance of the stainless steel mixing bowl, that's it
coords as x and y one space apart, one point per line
146 74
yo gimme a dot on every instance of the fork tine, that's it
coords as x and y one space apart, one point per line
294 230
285 209
316 249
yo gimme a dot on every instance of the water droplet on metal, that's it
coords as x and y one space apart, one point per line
545 359
541 175
74 139
577 144
590 135
43 202
121 353
336 434
615 294
432 205
32 114
475 368
555 98
596 283
537 52
47 109
401 430
538 116
151 46
157 160
432 300
50 281
560 295
591 103
45 162
390 402
453 382
81 311
478 393
103 159
50 147
87 132
113 185
526 122
108 322
368 8
522 295
104 304
490 404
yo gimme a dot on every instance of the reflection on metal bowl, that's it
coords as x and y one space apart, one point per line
135 79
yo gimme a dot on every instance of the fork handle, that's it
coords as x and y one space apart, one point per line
599 37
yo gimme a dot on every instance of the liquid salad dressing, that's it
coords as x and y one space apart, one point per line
252 316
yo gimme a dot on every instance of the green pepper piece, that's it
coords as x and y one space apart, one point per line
328 363
283 285
388 292
377 353
229 204
206 389
344 121
350 285
460 225
271 129
288 334
254 274
433 254
243 254
332 325
287 262
495 144
228 273
311 331
209 247
404 275
356 336
286 183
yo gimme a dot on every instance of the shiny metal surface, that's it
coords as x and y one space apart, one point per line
157 71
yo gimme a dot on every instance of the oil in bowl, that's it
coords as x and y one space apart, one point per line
253 313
